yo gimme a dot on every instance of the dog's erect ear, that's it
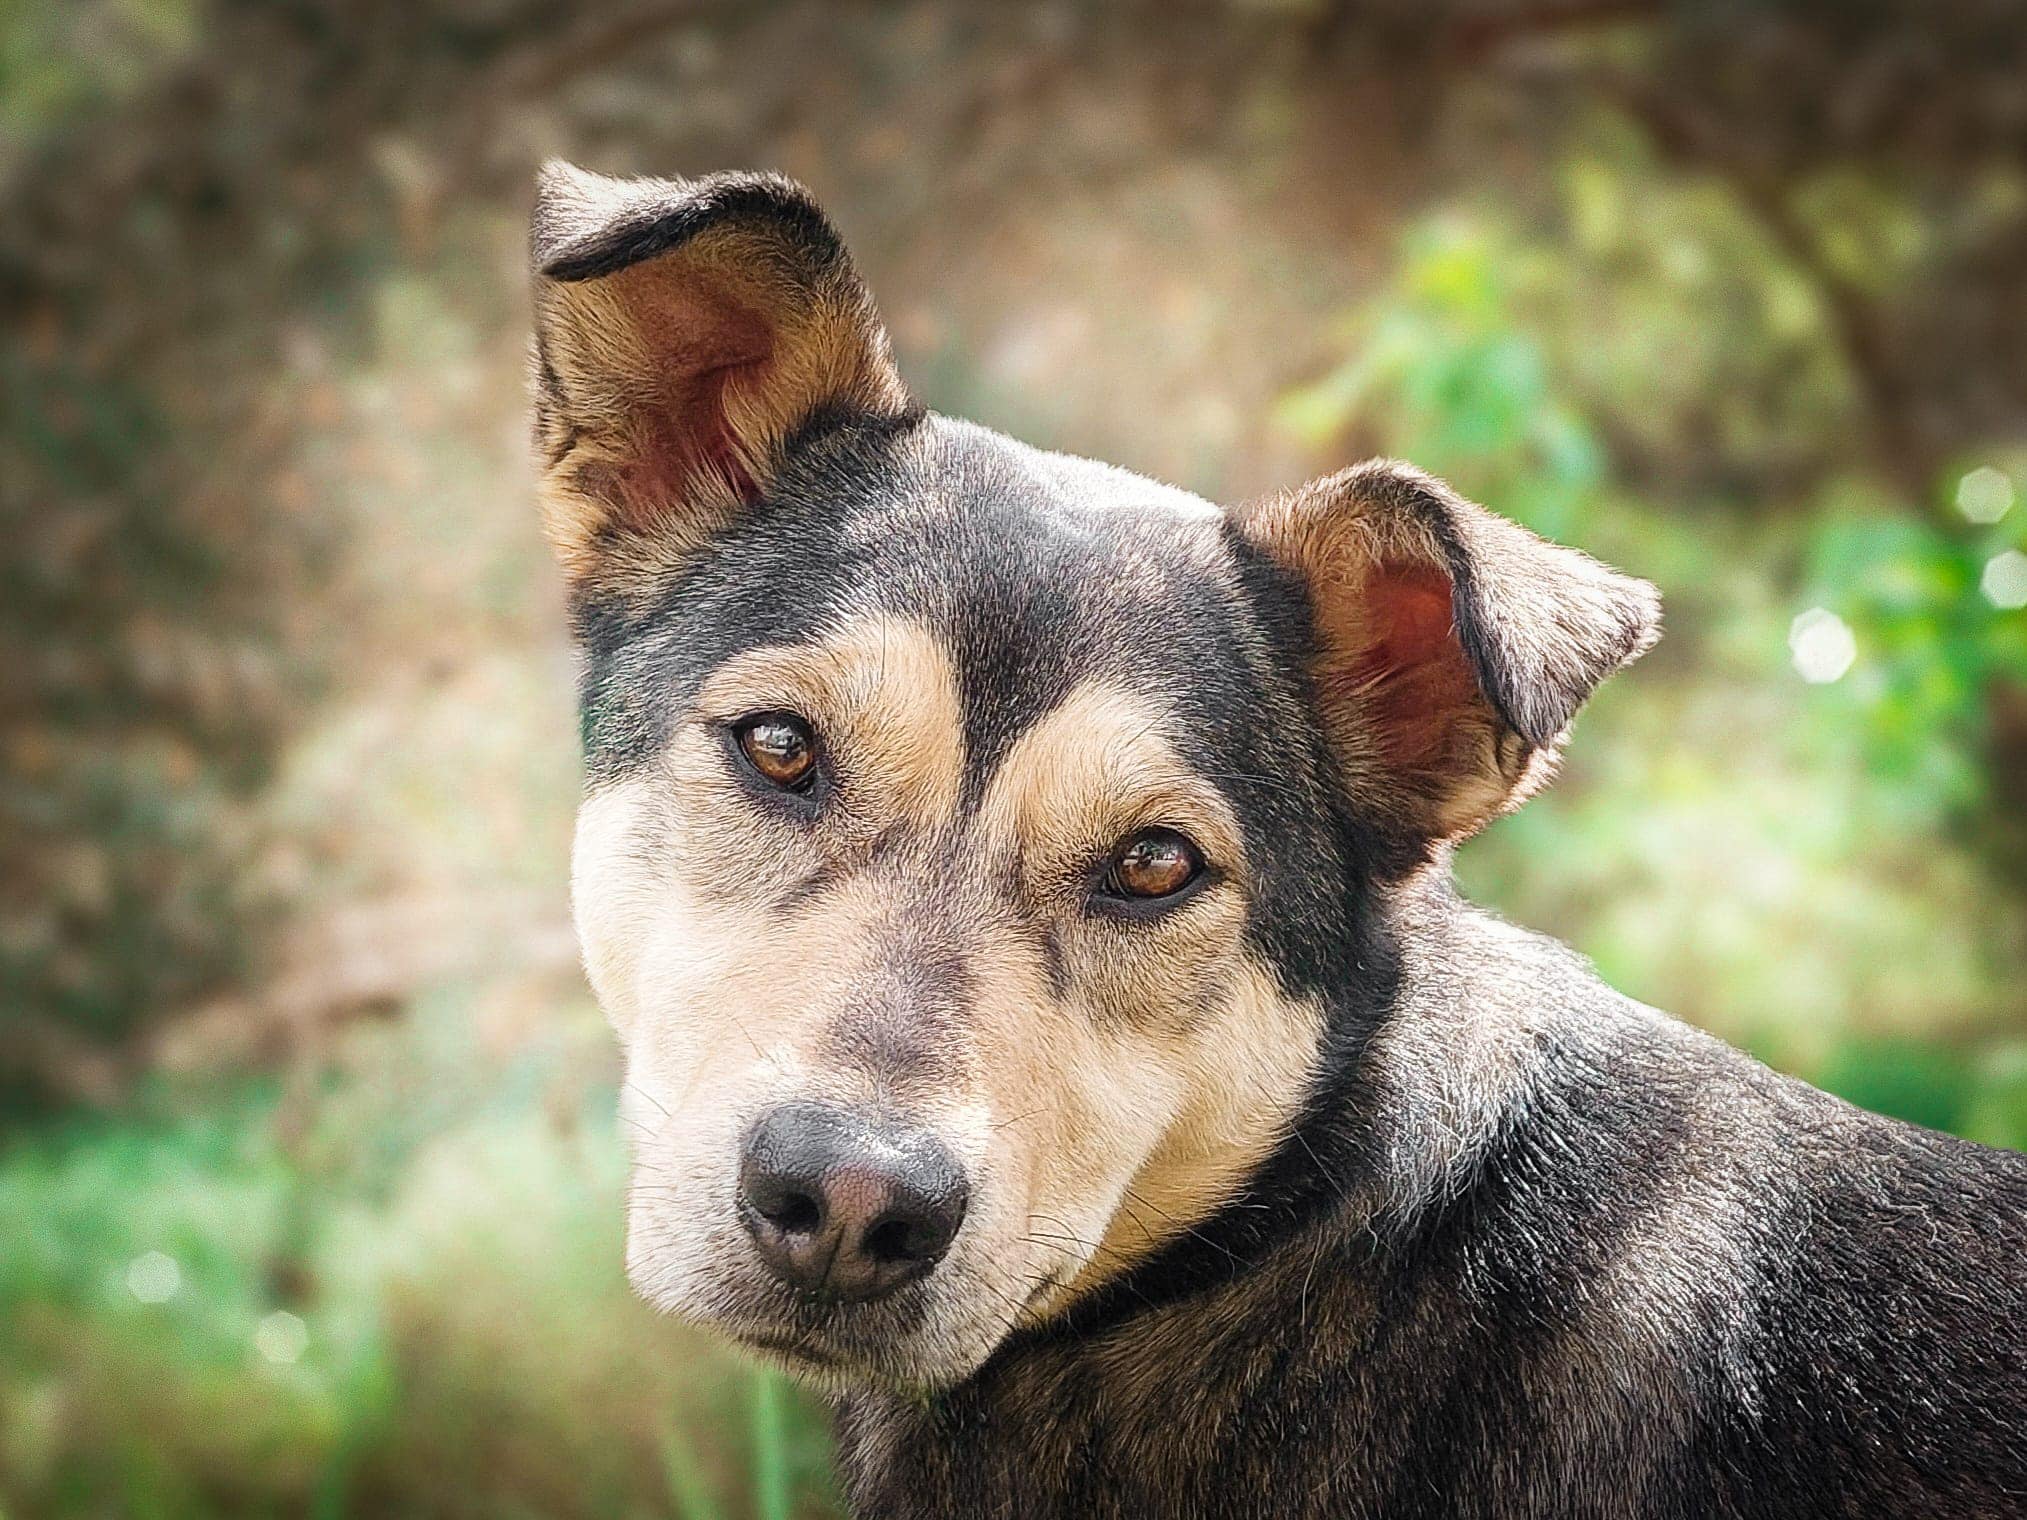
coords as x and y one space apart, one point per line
1451 647
684 331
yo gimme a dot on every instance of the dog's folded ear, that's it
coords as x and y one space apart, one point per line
686 331
1451 647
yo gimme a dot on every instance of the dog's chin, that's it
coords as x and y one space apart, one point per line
921 1340
917 1342
836 1368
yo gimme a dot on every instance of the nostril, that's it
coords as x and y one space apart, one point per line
916 1230
793 1213
895 1241
791 1205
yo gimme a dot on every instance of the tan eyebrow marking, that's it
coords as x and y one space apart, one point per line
1095 768
882 696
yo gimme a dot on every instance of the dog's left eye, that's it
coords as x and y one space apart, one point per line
1154 863
780 748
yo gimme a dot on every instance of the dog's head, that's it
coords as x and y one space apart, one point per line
973 834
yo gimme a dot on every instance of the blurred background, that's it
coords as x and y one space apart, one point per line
309 1179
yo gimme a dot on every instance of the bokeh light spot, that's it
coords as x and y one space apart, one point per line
1822 645
2005 580
154 1278
282 1338
1985 495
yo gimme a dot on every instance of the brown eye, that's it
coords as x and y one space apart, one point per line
1153 863
780 747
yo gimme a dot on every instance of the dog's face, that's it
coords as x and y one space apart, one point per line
972 832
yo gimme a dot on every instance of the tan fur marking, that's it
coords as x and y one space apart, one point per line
883 699
1093 770
1184 1061
1244 1073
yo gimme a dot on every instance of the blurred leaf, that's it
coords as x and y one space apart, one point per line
772 1474
692 1496
1906 1079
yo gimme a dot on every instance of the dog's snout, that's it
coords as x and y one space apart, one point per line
845 1205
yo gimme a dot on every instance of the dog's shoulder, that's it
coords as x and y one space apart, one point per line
1830 1298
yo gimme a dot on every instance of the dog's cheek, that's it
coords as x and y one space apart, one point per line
1122 1103
683 1039
1083 1079
670 871
613 894
1243 1067
686 1250
674 1238
1196 1068
1080 1098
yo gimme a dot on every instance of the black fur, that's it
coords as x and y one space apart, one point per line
647 226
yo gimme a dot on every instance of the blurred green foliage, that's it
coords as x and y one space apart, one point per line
467 1343
58 62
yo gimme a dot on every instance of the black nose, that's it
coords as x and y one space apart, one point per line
846 1205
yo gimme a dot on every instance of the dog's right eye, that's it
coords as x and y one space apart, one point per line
1152 865
780 749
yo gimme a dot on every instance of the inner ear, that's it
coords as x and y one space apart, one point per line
1413 673
668 352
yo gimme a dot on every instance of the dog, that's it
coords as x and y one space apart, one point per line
1021 892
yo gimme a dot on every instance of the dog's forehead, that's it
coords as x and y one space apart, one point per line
1042 572
966 521
1034 572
